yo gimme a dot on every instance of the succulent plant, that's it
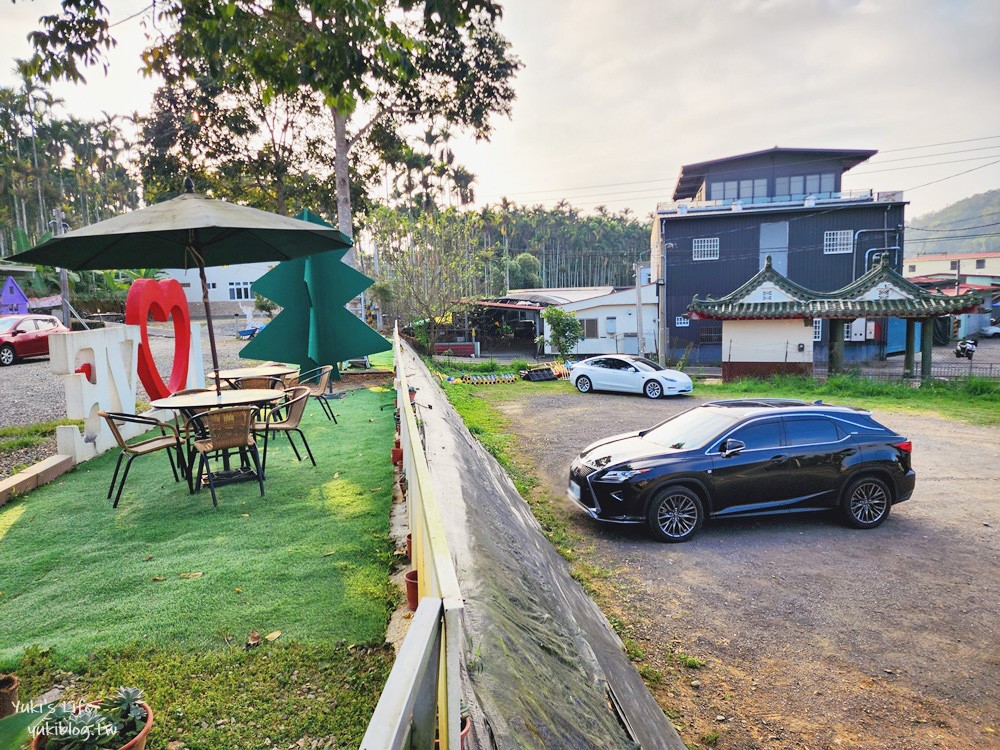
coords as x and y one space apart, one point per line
110 724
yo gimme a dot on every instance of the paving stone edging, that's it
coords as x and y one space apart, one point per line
34 476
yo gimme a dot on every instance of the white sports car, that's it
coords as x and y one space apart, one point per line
628 374
990 332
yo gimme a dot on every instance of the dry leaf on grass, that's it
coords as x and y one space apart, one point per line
253 640
272 637
238 591
158 578
376 489
191 575
244 515
148 558
336 475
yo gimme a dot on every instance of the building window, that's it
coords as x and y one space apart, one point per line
611 326
728 190
705 248
681 322
239 290
911 268
808 184
848 325
711 335
212 285
589 327
837 242
817 329
980 263
953 265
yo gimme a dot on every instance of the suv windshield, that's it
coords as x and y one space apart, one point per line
689 430
650 364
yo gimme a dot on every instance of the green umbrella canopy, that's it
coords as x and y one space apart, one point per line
187 231
175 233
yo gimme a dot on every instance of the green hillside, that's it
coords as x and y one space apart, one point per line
971 225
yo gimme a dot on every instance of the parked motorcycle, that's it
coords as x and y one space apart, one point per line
965 348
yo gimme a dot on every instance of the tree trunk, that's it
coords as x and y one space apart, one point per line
341 168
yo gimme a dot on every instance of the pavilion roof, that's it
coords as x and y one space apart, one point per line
880 293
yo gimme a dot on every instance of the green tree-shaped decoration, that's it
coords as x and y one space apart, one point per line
314 327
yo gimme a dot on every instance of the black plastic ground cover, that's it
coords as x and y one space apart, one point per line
539 655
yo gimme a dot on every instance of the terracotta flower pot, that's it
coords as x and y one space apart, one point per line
412 593
8 694
397 456
395 443
136 743
413 395
466 728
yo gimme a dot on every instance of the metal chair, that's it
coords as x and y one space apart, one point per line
286 418
145 447
212 434
317 381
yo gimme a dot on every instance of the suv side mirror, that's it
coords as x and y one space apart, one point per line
731 447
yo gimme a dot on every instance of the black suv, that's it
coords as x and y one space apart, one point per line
746 457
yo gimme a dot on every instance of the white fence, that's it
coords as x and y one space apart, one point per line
421 699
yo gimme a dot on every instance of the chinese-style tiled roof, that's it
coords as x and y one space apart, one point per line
846 303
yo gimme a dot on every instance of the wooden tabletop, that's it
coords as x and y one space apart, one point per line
263 371
212 400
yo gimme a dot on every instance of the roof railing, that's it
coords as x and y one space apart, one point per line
771 201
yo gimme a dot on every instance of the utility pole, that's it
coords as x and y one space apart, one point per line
58 218
640 335
664 331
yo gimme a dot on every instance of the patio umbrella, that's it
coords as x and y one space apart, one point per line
189 230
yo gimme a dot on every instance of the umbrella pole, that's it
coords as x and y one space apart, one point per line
211 330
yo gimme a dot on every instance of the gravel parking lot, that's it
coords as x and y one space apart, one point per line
815 635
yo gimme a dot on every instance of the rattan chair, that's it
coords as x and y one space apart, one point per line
259 382
286 417
168 442
317 381
212 434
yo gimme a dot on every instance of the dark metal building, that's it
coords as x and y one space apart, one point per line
728 215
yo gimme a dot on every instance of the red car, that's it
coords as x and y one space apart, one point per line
26 336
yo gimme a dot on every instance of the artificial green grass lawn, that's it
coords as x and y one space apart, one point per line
311 559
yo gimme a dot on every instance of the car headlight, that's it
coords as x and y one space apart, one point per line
621 475
670 380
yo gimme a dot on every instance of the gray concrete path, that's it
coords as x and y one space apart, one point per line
544 664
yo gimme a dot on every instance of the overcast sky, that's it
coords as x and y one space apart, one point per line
616 95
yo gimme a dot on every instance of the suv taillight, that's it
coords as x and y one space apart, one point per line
906 446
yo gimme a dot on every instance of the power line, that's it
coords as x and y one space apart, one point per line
129 18
959 174
798 162
944 143
961 229
924 166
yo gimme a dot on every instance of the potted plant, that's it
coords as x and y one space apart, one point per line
465 726
122 721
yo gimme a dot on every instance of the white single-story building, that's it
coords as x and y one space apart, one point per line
228 287
608 316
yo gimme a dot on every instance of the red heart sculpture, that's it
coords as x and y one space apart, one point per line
160 300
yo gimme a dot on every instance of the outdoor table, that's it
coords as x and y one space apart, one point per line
193 402
213 400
